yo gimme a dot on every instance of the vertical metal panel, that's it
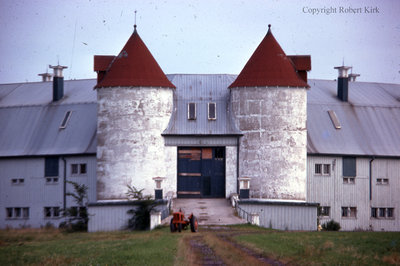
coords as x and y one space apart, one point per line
35 192
112 216
108 218
284 216
200 141
332 191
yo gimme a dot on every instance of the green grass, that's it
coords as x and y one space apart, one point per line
50 247
327 248
160 247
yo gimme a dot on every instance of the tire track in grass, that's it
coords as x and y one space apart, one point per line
203 253
216 246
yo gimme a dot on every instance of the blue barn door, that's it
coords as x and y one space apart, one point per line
201 172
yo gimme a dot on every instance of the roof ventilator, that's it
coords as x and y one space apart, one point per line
343 83
58 82
46 76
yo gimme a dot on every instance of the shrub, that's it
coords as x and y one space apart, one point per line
332 225
77 217
140 219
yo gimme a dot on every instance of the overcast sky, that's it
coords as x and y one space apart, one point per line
204 36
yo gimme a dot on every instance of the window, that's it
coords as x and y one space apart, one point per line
353 212
374 212
17 181
66 119
51 166
349 180
350 212
78 211
212 111
78 169
219 153
192 111
83 168
324 211
9 212
318 169
349 166
382 213
17 213
390 212
51 212
74 169
322 169
327 169
382 181
51 180
334 119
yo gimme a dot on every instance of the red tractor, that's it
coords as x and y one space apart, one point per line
178 222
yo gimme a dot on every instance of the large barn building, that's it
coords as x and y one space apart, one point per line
283 142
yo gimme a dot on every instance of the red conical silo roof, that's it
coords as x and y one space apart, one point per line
268 66
134 67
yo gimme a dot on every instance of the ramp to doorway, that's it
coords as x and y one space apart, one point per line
208 211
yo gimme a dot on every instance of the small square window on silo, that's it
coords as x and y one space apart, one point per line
192 111
334 119
212 111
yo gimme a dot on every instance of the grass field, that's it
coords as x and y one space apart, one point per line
327 248
230 245
50 247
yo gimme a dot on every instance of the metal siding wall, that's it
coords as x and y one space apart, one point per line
386 196
35 193
88 179
113 217
331 191
200 141
284 217
108 218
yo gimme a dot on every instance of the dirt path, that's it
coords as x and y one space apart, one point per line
216 246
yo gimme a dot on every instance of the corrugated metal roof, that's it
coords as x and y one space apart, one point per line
30 121
41 93
201 89
370 120
35 130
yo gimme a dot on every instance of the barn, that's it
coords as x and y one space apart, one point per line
292 149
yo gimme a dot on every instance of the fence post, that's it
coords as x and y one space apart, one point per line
255 219
155 219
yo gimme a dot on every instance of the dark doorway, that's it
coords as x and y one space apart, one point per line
201 172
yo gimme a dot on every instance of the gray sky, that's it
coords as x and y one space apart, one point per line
204 36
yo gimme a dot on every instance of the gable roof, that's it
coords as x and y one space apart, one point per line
370 120
135 66
268 66
201 89
30 121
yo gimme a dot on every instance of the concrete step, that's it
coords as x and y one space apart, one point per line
208 211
